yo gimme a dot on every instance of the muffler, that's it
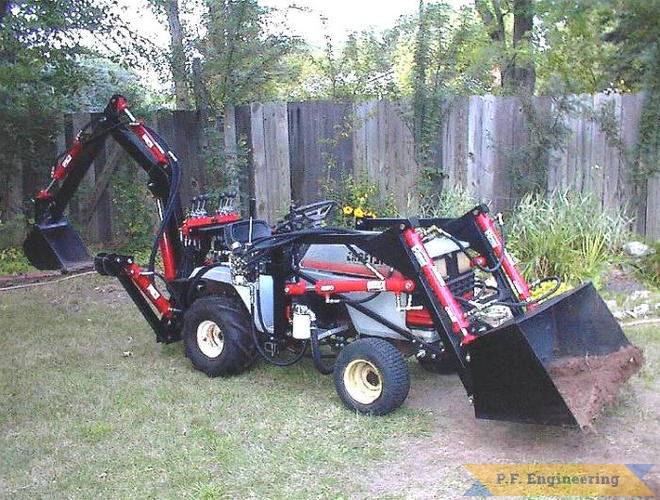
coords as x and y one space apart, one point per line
53 246
557 365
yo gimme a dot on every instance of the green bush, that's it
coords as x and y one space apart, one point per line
451 202
12 261
648 267
565 234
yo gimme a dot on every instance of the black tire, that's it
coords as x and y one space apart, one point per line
371 376
216 335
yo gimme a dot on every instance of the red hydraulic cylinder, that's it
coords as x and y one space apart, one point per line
460 323
487 227
330 287
145 285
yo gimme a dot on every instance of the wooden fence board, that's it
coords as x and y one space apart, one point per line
630 117
652 227
295 149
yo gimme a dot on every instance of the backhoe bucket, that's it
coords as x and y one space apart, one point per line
56 246
557 365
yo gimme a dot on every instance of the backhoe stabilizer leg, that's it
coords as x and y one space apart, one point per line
153 305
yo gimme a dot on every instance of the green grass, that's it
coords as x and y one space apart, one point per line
93 407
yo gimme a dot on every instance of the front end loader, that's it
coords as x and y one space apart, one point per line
358 302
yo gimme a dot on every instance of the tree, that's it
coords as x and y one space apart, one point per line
515 45
636 36
244 52
177 59
41 46
574 56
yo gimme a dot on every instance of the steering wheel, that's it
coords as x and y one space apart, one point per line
304 216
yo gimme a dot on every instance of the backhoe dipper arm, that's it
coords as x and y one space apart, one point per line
52 244
70 168
145 147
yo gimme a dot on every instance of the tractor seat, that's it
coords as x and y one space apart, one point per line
239 232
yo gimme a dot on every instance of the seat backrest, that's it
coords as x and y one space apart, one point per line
240 231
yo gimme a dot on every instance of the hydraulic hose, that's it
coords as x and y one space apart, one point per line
265 355
317 356
173 195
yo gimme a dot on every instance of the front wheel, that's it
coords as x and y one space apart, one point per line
216 335
371 376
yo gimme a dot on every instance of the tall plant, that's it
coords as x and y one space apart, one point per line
565 234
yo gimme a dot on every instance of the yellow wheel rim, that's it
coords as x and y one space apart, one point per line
363 381
210 339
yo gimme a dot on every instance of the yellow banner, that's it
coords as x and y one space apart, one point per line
559 480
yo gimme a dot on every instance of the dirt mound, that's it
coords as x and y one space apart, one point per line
588 384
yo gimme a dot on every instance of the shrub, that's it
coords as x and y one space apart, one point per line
12 261
451 202
565 234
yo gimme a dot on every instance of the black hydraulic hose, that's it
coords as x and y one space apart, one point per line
317 356
175 182
556 279
265 355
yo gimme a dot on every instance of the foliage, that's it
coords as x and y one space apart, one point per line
509 25
451 202
360 68
358 197
648 267
243 52
13 261
635 64
135 224
105 79
574 57
44 48
635 35
226 170
566 235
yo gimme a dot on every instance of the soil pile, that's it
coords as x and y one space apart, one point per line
589 383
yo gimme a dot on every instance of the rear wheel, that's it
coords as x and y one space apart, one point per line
216 335
371 376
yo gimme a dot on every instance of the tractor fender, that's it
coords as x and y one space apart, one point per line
219 280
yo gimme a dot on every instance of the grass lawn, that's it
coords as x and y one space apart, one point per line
92 407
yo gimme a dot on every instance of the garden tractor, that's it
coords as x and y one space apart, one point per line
359 302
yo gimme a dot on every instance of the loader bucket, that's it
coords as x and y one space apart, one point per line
557 365
56 246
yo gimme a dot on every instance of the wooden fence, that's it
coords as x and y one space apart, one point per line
294 149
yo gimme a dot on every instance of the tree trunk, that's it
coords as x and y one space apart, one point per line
523 74
517 65
178 56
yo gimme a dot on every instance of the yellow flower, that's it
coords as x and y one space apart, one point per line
359 213
370 215
347 210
